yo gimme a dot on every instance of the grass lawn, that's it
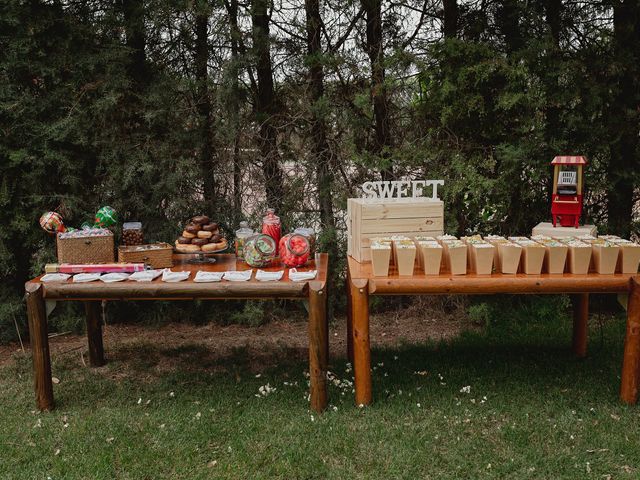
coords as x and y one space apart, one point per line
529 410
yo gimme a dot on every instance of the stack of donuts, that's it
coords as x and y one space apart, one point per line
201 235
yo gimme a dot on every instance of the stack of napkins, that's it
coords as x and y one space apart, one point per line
114 277
264 276
206 277
296 276
55 277
145 275
172 277
85 277
237 276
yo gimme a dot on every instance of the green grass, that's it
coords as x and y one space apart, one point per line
533 411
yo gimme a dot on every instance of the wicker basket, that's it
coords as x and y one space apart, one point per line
156 255
90 249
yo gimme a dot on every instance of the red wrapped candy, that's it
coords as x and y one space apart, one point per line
294 250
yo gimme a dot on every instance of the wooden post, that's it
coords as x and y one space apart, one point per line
580 324
360 333
39 339
347 284
318 345
94 334
631 358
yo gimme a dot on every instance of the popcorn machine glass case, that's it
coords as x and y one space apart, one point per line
566 200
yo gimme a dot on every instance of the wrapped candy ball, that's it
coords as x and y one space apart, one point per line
86 226
106 217
51 222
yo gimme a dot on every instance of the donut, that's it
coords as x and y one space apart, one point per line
186 234
200 241
187 248
212 247
216 237
210 227
204 234
200 219
184 240
192 228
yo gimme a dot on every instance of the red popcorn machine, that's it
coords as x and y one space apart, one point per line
566 200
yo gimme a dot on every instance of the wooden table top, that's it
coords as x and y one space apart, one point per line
445 283
188 289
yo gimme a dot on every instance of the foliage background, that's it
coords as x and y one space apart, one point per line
168 108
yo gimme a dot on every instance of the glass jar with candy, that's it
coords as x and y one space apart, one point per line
311 236
272 226
259 250
242 234
294 250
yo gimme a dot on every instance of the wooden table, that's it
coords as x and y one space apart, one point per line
37 293
361 283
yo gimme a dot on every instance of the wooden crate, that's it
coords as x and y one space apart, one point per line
370 218
156 255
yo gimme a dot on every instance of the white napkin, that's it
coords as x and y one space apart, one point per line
206 277
114 277
237 276
263 276
85 277
296 276
169 276
145 275
55 277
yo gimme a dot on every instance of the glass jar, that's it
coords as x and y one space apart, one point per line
294 250
271 226
132 233
311 237
259 250
242 234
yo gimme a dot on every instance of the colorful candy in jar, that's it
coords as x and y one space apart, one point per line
242 234
51 222
294 250
259 250
271 226
106 217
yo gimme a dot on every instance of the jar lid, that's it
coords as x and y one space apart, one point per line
244 229
271 216
306 231
132 225
264 243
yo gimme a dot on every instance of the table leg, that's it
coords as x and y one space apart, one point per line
349 319
94 334
631 358
318 346
39 339
580 324
361 348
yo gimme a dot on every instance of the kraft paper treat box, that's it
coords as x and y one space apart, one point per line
380 258
455 254
604 255
480 255
429 256
405 256
555 257
509 254
533 254
629 258
579 256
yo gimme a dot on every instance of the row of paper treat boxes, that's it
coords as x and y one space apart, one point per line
606 254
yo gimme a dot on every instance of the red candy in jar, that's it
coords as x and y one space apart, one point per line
294 250
271 225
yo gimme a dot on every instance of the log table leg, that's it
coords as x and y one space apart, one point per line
94 334
318 346
39 340
580 324
361 347
631 359
349 319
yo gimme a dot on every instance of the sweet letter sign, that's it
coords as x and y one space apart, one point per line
401 189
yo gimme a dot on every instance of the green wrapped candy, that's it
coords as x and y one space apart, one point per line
86 225
106 217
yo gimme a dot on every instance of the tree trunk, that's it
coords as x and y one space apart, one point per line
623 165
133 12
508 21
375 51
450 25
203 104
235 113
265 106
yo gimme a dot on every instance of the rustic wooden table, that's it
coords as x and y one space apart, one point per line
361 283
37 293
